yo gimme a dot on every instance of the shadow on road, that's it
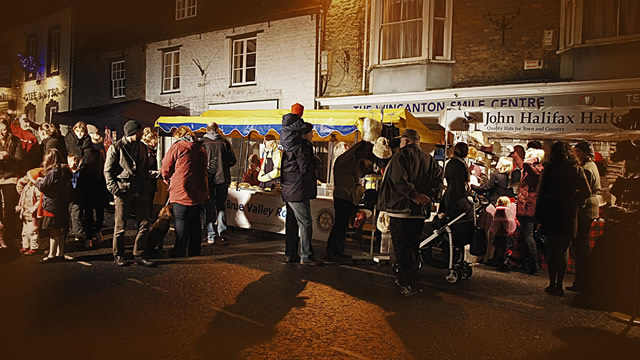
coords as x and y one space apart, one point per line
591 343
244 324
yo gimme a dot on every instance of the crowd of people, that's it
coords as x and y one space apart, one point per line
52 186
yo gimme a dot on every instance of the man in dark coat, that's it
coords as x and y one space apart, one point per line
298 188
412 180
126 172
220 159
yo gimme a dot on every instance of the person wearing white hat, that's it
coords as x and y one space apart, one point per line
498 184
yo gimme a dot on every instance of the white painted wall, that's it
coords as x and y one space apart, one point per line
285 72
60 82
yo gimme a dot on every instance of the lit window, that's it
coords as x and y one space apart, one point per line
186 9
171 71
53 55
117 79
243 60
412 29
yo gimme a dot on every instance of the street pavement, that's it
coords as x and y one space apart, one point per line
239 302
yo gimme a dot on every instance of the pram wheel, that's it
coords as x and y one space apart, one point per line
465 271
452 276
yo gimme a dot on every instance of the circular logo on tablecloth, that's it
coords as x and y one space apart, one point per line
324 220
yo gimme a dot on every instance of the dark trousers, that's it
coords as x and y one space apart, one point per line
76 213
405 235
140 207
298 218
93 225
215 209
527 224
581 251
10 220
343 213
187 223
557 259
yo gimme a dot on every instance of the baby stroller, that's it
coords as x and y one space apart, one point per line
444 241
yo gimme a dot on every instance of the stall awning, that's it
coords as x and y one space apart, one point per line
116 115
344 124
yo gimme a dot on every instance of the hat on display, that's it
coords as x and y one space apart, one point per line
371 129
297 109
479 138
504 165
598 157
131 127
381 148
473 153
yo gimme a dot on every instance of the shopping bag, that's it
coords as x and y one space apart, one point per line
478 242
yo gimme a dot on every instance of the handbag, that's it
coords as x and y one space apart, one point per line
478 242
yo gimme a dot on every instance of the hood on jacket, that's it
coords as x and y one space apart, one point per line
189 144
288 119
212 135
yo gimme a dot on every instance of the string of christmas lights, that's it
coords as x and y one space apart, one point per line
28 63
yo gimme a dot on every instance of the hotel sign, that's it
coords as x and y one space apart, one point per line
42 95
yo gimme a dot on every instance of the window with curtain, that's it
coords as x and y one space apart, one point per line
401 29
610 18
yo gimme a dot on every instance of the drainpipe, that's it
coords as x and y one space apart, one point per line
71 36
320 28
364 46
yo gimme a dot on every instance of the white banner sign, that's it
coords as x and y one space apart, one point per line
267 212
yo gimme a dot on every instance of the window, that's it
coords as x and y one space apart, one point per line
171 71
53 54
243 69
594 21
412 30
186 9
32 50
30 110
51 108
117 79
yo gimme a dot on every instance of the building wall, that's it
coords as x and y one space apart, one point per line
610 61
92 74
285 66
481 58
344 38
55 88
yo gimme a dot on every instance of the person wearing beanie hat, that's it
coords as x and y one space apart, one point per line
292 126
127 172
411 182
589 211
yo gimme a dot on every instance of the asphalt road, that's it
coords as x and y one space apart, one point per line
240 302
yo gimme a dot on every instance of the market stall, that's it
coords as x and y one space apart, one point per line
251 207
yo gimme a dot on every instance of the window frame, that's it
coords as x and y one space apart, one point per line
51 55
428 12
576 27
185 6
123 79
29 76
172 76
244 68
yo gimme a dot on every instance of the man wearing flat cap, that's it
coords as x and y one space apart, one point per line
126 171
412 180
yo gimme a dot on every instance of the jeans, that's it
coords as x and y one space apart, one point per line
344 212
140 207
77 217
557 259
215 209
187 223
299 228
405 235
527 223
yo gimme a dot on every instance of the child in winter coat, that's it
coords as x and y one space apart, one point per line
503 226
78 199
55 185
27 210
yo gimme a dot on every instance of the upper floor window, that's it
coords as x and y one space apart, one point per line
53 53
186 9
594 21
243 69
411 30
32 50
171 71
117 79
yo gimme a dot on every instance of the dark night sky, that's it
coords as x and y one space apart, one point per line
17 12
